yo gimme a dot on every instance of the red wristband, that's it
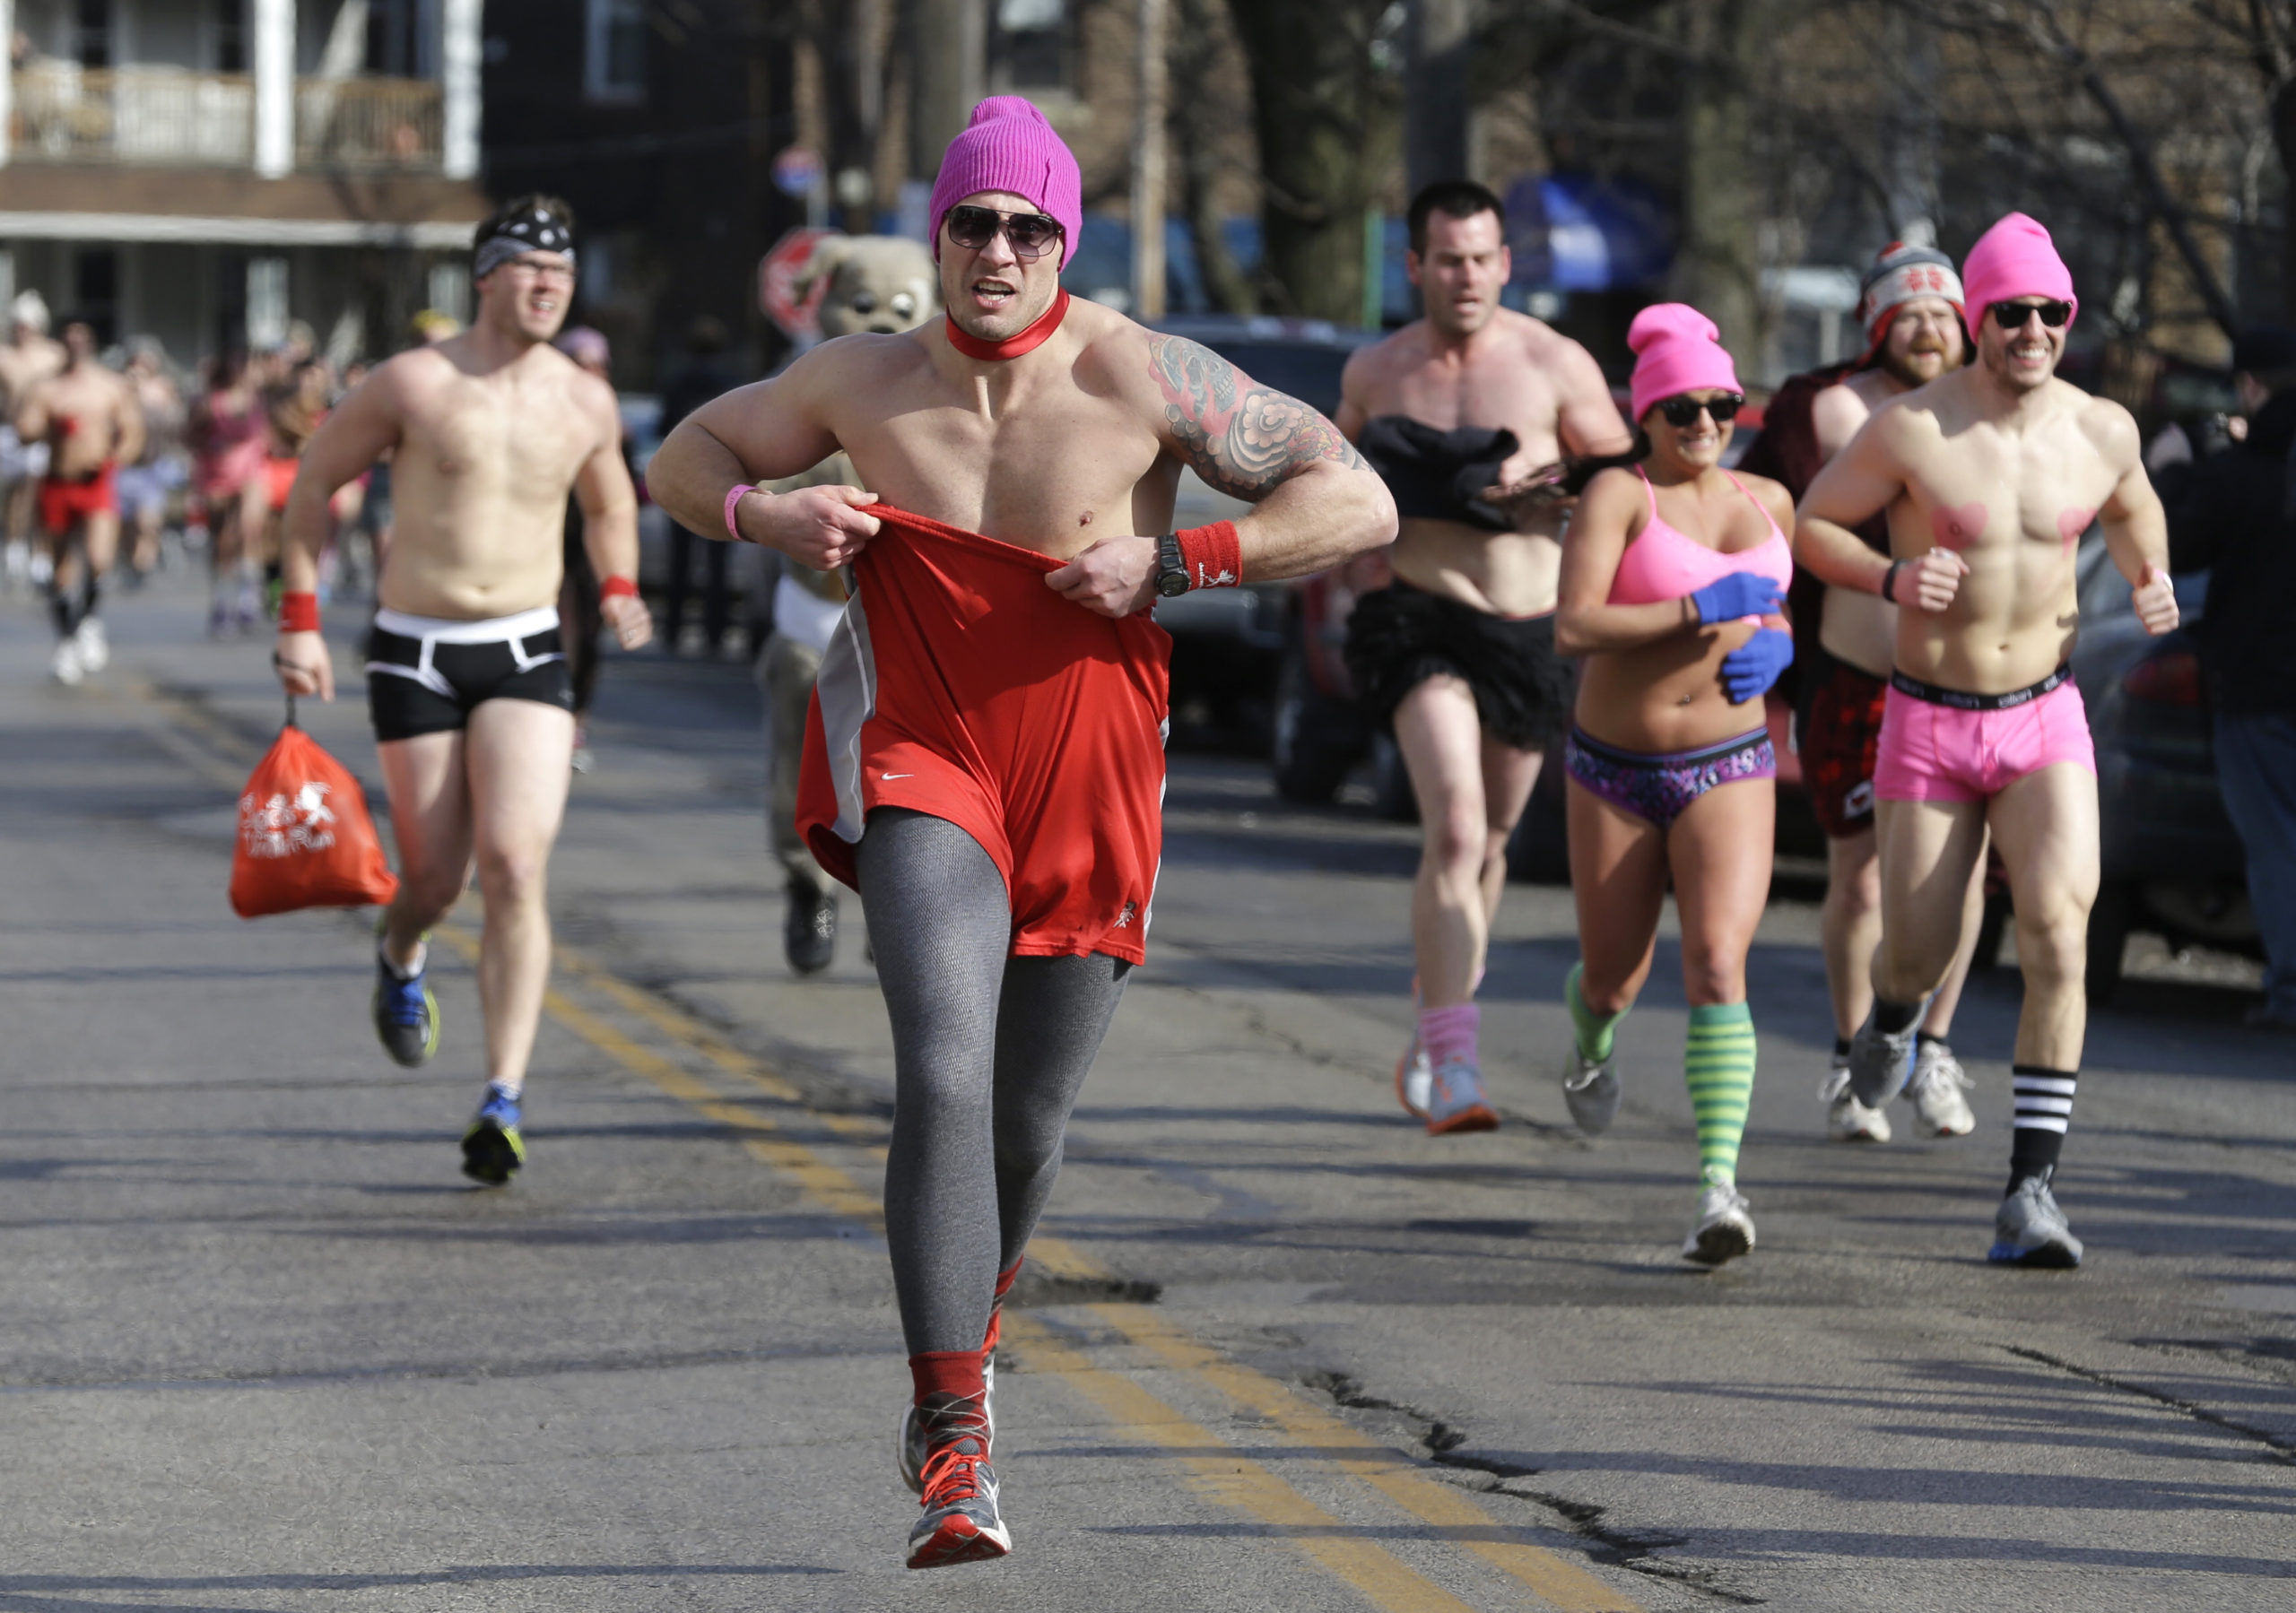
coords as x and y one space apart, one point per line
617 587
1213 555
299 612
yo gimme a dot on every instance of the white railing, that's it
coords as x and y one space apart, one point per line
367 123
173 116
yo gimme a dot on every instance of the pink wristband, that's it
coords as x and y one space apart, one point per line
732 498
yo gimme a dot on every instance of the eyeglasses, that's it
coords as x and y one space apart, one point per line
536 269
1684 411
1031 233
2011 315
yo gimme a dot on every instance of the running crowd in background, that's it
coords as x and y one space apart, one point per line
118 463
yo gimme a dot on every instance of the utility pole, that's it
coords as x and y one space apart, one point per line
1148 167
952 45
1438 36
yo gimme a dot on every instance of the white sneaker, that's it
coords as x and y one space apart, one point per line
1416 1079
95 649
1847 1119
1723 1230
1935 1089
65 666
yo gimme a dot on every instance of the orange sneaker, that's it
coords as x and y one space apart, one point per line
1454 1100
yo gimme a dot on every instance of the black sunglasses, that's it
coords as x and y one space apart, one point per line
1684 411
2011 315
1031 233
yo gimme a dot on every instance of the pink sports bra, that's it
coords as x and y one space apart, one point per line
1666 563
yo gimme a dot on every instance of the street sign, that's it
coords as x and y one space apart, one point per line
777 285
795 171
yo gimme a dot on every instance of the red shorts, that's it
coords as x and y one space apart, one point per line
1840 743
62 502
282 473
957 685
1937 751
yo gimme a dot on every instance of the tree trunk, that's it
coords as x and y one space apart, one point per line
2283 140
1717 267
1195 44
1440 35
1326 116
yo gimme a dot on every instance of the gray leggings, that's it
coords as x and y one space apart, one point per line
989 1051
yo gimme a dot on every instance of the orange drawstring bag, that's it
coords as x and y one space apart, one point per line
306 837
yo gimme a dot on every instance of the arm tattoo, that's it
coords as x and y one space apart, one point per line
1242 439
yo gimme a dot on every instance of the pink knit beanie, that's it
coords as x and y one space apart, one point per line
2015 258
1009 146
1677 350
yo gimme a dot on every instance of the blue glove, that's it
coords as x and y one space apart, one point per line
1740 594
1754 666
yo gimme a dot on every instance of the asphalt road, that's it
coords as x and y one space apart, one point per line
262 1348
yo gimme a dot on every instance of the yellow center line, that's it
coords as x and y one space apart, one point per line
1235 1481
1382 1467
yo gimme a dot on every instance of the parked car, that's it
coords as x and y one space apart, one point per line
2171 863
1228 644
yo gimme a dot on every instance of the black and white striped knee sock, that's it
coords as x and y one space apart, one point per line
2044 1109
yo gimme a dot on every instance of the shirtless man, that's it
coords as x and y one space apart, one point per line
473 719
1990 476
984 760
30 357
88 419
1465 414
1910 308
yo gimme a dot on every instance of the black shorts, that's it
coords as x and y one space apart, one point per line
1400 637
424 674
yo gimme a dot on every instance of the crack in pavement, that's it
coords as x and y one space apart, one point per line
1440 1443
2282 1450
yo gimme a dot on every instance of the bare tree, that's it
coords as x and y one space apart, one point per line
1326 105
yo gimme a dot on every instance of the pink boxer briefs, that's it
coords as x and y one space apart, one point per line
1939 744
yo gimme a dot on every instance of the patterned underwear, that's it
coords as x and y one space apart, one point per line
1659 789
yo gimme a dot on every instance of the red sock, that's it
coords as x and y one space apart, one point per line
1449 1033
953 1373
1005 1281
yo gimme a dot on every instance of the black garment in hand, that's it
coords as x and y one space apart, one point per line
2235 514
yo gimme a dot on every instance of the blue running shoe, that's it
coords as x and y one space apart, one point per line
406 1015
493 1149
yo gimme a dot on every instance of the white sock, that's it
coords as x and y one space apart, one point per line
421 957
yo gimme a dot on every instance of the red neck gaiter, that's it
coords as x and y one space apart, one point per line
1013 346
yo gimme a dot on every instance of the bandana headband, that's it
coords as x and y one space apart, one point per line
535 230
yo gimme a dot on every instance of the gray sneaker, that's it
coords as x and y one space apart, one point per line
2030 1230
1847 1119
1879 1063
1723 1230
1590 1086
1936 1087
912 1449
962 1523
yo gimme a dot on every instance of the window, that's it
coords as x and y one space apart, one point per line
613 66
1031 44
230 19
92 33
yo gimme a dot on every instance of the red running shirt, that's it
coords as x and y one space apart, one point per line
957 684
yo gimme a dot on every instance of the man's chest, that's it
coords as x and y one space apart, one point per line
479 435
1484 392
1040 471
1990 490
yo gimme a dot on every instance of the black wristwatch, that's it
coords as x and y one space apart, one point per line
1171 566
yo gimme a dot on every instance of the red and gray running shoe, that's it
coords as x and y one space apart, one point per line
961 1524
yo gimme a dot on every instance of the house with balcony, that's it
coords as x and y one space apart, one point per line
208 171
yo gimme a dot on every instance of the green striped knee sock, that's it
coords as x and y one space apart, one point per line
1718 1061
1593 1030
